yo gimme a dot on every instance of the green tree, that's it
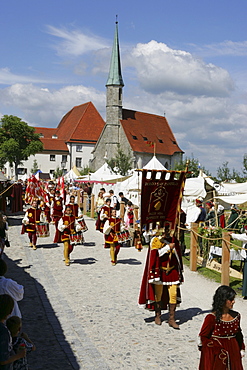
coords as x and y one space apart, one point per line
17 141
35 167
58 173
245 164
194 166
121 163
85 171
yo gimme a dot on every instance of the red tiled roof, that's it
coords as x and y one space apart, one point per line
54 144
82 123
142 127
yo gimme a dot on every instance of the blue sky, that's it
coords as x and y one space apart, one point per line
187 59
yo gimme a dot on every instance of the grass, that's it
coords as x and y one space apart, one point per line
235 283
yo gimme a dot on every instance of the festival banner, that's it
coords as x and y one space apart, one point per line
161 197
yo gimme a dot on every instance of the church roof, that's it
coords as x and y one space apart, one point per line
144 129
115 74
82 124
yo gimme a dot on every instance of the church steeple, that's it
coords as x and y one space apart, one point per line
114 85
115 75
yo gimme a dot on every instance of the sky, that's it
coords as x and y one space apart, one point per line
186 60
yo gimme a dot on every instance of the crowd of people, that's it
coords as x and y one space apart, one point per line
221 340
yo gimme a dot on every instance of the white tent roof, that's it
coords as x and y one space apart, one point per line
154 164
233 199
71 175
104 173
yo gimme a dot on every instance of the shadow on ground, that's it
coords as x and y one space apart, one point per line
53 351
182 316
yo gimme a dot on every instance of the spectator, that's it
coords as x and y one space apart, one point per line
19 339
123 199
6 358
9 286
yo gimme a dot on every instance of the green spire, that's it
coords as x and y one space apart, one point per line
115 75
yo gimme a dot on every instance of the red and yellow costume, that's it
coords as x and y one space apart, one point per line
105 213
68 225
30 220
57 213
161 278
112 228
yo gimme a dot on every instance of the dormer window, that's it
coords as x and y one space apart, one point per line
41 135
134 137
145 138
54 136
160 140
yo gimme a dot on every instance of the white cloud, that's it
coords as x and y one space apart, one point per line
8 78
160 68
44 107
225 48
76 43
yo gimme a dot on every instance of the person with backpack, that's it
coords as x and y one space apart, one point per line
114 201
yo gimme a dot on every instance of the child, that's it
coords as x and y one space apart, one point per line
14 325
6 356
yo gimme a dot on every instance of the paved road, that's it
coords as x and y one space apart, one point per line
86 316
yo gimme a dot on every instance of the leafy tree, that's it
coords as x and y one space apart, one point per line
193 166
245 164
224 173
85 171
17 141
58 173
121 163
35 167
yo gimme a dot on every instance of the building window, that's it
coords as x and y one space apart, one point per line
160 140
52 157
134 137
78 162
52 172
145 138
21 171
41 135
79 148
64 158
54 136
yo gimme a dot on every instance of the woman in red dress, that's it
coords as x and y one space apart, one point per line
221 338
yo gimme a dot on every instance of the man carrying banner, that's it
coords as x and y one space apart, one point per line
163 275
160 207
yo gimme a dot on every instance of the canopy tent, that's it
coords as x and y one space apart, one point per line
233 199
104 173
73 174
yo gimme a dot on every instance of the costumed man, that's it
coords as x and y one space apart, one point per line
68 225
33 216
162 277
57 212
112 228
76 211
243 238
105 213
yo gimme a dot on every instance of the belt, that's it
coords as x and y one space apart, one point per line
227 337
167 268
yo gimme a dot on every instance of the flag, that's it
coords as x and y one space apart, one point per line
161 198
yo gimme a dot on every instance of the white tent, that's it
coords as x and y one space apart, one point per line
233 199
71 175
104 173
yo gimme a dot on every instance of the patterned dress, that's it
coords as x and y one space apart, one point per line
221 343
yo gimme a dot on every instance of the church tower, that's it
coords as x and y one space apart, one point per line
114 85
109 140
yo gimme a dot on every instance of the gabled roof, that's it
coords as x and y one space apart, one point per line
82 123
143 129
